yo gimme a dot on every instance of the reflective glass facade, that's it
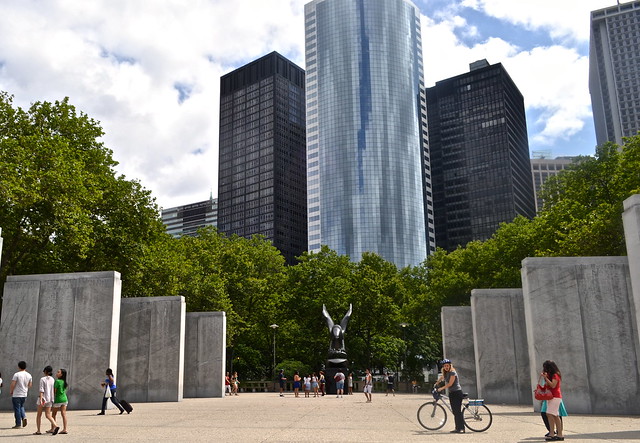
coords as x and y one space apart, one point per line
366 130
479 155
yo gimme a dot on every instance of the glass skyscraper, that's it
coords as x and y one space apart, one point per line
367 154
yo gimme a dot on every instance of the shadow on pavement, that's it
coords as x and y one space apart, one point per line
622 435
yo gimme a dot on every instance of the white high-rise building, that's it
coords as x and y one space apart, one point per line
614 71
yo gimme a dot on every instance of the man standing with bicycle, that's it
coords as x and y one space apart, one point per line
450 378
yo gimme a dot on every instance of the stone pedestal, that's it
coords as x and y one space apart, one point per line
330 386
151 353
500 345
205 354
457 344
579 313
67 321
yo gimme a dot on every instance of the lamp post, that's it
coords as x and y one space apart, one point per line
274 327
404 339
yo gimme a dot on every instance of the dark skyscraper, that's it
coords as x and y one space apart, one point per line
262 173
480 166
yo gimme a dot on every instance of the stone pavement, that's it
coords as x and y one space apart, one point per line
265 417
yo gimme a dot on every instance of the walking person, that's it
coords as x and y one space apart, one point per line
109 385
390 383
339 378
368 384
283 381
553 379
452 383
60 400
20 384
350 384
45 401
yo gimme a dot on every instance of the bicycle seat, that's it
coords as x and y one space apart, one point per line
465 395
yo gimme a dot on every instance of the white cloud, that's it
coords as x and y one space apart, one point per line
562 18
120 62
552 79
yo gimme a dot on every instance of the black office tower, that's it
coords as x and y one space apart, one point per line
262 173
480 167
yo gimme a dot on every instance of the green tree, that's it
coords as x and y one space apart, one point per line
62 207
318 278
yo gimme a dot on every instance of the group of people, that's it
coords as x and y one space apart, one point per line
52 397
552 410
309 383
231 384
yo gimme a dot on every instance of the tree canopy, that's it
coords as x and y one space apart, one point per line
62 207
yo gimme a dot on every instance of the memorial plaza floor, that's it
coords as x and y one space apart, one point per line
266 417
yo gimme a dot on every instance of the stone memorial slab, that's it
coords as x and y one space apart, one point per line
579 313
457 344
67 321
205 354
631 222
500 345
151 352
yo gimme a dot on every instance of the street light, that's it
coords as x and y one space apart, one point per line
274 327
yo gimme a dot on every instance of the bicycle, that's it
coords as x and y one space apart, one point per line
433 416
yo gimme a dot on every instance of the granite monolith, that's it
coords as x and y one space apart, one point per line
151 352
67 321
579 313
457 344
205 354
500 345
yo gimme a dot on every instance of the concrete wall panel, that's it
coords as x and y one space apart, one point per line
63 320
500 345
579 313
457 344
205 354
151 352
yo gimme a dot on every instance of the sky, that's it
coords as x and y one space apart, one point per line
149 71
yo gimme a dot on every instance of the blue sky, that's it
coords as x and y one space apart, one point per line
150 71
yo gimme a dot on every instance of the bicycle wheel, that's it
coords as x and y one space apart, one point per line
477 418
432 416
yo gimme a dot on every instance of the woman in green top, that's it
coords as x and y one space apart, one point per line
60 401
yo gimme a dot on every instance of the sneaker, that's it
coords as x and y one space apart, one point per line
24 422
17 427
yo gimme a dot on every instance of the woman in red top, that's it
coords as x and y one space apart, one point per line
553 379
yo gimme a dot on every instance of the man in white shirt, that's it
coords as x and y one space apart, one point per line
20 384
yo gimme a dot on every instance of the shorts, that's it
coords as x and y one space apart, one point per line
553 406
47 404
339 385
58 405
367 389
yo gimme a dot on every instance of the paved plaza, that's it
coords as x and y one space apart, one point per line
265 417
